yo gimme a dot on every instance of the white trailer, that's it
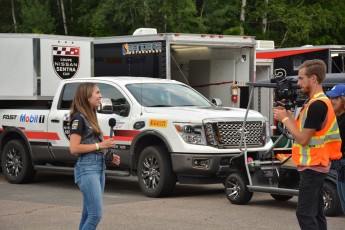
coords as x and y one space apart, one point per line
32 65
211 64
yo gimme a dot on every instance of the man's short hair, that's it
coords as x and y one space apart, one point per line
317 67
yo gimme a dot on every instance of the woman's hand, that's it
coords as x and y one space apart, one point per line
116 159
106 144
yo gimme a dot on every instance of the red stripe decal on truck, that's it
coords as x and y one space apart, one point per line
42 135
124 135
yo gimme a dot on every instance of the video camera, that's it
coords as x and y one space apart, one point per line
285 92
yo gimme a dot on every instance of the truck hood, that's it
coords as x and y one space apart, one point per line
199 113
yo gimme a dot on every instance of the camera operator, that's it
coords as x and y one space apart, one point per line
316 141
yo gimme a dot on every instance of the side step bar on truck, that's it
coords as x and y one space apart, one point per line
273 190
50 168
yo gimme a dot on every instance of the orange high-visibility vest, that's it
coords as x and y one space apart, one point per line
325 144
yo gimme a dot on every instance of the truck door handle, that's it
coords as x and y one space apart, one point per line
55 120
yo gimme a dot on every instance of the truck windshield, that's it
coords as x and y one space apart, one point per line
166 95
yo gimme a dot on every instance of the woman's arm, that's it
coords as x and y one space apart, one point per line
77 148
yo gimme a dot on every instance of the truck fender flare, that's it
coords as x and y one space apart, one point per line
141 135
16 131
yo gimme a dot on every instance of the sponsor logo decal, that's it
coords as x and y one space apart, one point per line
158 123
122 147
66 125
9 117
141 48
75 124
32 118
65 61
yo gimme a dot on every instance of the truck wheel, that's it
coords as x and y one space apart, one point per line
281 197
155 174
331 199
16 163
236 189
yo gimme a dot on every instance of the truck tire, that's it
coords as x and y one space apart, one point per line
16 163
155 175
281 197
331 199
236 189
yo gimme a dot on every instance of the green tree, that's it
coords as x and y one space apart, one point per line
219 16
35 17
295 22
8 13
287 22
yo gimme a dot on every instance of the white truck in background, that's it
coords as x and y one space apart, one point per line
166 132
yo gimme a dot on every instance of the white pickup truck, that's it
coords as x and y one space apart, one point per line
166 132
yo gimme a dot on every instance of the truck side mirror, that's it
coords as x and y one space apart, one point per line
124 110
106 106
217 102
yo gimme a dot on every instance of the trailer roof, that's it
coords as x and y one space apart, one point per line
183 38
44 36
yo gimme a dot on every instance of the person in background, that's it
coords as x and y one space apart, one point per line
337 97
316 141
86 141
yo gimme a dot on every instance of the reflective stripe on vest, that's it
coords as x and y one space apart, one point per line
324 144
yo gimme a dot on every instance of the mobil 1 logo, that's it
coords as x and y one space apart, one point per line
66 60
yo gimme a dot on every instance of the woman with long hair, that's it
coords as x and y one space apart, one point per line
86 141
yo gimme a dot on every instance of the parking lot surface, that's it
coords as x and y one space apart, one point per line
53 201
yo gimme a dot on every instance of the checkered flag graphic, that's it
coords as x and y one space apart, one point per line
66 50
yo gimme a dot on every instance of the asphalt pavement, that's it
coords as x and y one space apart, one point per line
53 201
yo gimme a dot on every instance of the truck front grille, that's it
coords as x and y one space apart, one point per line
228 134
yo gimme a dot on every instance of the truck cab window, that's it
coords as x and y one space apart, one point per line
67 96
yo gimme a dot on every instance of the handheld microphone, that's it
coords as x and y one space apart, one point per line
112 123
109 155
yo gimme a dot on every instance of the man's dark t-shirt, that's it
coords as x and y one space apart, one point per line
317 113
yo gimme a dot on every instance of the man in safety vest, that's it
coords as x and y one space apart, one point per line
316 141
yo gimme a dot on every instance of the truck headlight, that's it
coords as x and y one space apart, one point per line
267 130
191 133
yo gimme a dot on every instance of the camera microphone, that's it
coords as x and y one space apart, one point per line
277 79
112 123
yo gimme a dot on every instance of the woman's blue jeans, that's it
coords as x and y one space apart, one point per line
341 182
89 174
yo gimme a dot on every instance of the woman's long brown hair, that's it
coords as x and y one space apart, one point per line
81 104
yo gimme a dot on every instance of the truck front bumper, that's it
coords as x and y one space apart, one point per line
201 165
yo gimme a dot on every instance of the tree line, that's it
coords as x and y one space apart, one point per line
288 22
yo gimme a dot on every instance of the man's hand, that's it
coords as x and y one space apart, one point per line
280 113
